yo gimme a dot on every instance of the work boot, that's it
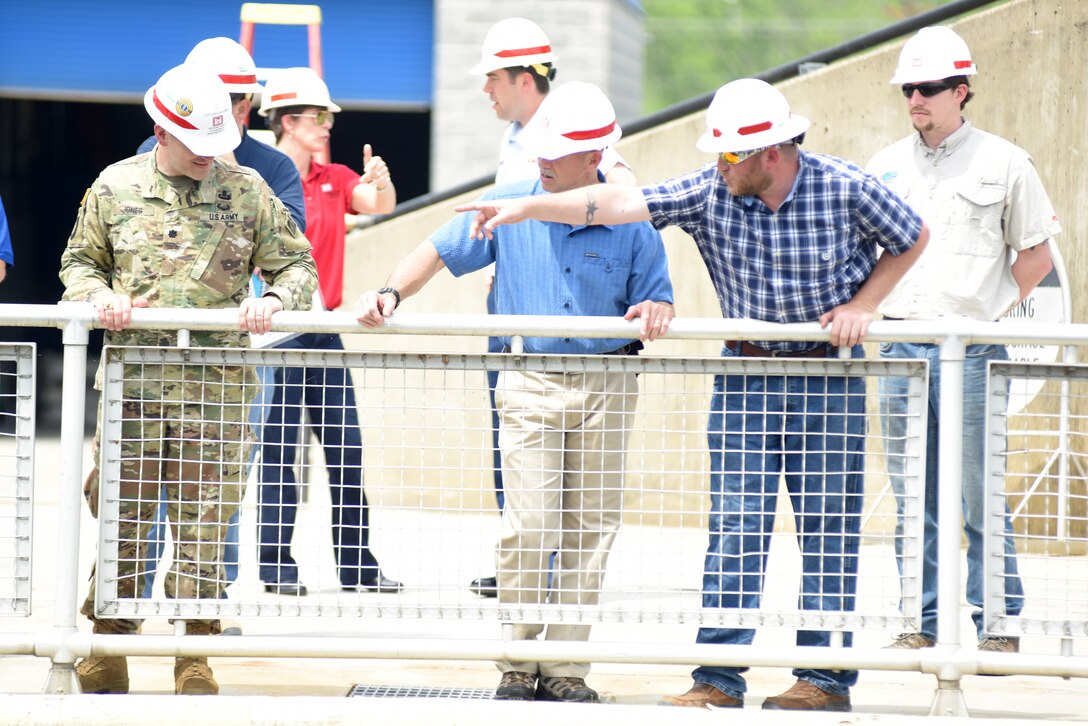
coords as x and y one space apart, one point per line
103 674
805 696
703 695
516 686
193 677
565 688
910 641
999 644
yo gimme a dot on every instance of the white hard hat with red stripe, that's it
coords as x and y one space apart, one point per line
192 104
749 114
574 117
933 54
515 42
230 60
295 87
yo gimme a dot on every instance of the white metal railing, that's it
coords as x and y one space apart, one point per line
17 380
949 661
1051 535
434 524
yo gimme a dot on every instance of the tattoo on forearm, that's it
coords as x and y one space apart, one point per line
591 207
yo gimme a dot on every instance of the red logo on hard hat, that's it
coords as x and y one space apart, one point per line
217 120
962 64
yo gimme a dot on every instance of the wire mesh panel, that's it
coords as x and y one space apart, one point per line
17 371
608 490
1036 535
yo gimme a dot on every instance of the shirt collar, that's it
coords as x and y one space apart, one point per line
154 184
947 147
802 163
315 169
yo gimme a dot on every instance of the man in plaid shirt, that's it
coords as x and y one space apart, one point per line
787 237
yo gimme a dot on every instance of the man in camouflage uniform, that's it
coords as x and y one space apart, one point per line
177 228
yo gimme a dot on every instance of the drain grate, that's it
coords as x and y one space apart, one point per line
416 692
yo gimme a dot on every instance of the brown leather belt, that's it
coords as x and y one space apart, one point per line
744 348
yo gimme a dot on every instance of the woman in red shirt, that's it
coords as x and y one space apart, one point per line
300 112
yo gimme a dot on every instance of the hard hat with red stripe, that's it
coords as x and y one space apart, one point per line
933 54
515 42
191 103
295 87
230 61
749 114
573 118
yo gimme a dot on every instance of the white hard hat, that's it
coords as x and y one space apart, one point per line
572 118
749 114
295 87
230 60
192 104
514 42
933 54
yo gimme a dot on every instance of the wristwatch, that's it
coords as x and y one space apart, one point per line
393 291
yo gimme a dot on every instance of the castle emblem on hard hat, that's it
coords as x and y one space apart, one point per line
184 107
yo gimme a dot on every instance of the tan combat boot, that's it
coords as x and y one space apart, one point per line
192 676
103 674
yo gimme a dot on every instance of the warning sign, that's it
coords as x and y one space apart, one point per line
1047 303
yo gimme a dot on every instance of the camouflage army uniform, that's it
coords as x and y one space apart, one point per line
180 243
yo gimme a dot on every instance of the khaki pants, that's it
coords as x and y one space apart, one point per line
563 437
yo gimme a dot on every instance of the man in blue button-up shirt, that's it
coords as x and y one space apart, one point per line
562 435
787 237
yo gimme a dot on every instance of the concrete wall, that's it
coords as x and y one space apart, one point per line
1030 89
599 41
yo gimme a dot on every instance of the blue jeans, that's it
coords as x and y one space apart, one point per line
328 396
893 408
812 431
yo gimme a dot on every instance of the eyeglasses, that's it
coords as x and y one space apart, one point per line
928 90
735 157
320 118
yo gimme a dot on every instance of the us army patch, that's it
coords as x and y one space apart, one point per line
223 217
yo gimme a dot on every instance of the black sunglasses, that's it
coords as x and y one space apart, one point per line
928 90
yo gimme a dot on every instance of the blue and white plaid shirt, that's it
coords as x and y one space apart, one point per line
795 264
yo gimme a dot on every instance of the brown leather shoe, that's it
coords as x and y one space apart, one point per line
803 696
910 641
702 695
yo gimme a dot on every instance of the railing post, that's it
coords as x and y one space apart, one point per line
62 675
948 699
